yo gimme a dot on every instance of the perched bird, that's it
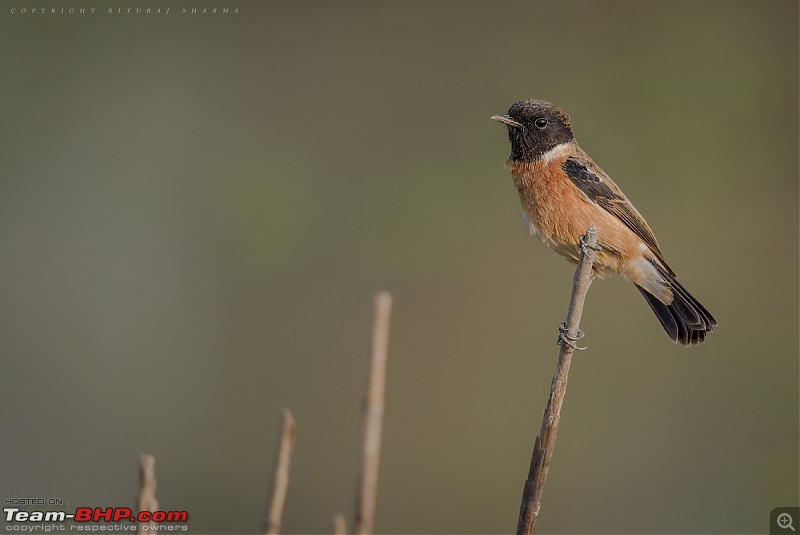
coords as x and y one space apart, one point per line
563 192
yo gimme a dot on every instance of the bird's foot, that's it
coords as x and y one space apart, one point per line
565 339
585 246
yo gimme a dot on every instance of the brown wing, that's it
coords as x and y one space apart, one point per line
600 189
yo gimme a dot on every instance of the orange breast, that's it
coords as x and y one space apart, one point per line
559 213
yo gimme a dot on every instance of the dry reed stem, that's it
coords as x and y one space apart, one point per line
339 525
280 476
373 416
545 442
146 499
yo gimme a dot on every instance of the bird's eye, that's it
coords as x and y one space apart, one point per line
541 122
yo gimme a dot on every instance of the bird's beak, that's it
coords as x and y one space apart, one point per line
507 120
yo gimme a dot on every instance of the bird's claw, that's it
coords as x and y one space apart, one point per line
565 339
585 246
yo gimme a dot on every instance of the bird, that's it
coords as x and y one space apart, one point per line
563 192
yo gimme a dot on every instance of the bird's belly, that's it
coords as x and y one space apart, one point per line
567 250
562 235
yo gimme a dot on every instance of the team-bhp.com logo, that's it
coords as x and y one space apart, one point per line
96 515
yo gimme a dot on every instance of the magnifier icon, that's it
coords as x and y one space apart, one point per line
784 521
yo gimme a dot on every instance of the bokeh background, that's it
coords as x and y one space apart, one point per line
196 210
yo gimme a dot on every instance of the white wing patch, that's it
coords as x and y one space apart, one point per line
584 196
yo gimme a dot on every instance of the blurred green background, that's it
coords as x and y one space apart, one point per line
195 212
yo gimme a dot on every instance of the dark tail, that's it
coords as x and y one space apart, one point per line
685 319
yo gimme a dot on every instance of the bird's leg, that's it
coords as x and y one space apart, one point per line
584 246
564 338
